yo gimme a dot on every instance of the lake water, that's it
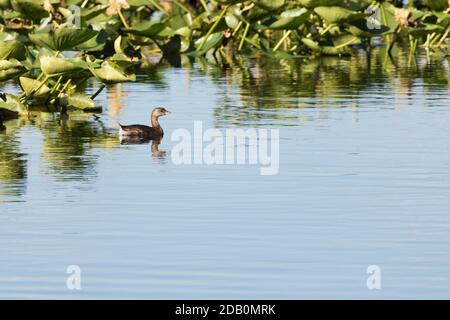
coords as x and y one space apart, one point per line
364 179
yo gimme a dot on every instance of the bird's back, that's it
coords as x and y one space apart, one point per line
137 130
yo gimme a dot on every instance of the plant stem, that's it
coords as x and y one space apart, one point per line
282 40
98 92
35 90
157 6
237 28
443 37
326 29
122 18
247 26
56 84
210 31
182 7
66 85
346 43
205 6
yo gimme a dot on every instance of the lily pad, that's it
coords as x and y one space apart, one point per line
12 105
78 101
269 5
324 50
319 3
33 9
291 19
52 66
5 4
12 49
428 28
62 39
360 28
147 28
35 87
438 5
213 41
10 69
110 73
338 14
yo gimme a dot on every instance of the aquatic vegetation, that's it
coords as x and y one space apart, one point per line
51 48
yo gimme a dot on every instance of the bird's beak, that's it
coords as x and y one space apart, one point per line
167 112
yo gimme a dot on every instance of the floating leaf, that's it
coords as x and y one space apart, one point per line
426 29
12 49
33 87
338 14
324 50
109 73
291 19
232 21
10 69
213 41
52 66
62 39
438 5
360 28
387 11
12 105
147 28
78 101
319 3
269 5
5 4
33 9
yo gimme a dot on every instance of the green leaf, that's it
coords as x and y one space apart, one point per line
270 5
110 73
428 28
78 101
232 21
324 50
9 69
319 3
213 41
360 28
387 12
12 49
146 28
291 19
438 5
52 66
443 19
13 105
338 14
5 4
30 86
64 39
33 9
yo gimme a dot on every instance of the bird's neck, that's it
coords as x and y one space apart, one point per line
156 125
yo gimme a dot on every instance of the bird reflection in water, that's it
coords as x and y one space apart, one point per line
158 155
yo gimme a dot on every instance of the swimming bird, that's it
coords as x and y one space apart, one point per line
146 132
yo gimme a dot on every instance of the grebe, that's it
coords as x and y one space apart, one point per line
141 131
